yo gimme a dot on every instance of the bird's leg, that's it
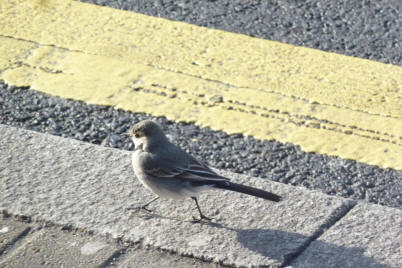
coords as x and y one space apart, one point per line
202 216
144 207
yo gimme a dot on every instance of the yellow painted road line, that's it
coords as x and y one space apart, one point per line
324 102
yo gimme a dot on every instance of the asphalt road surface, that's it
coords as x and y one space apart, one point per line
365 29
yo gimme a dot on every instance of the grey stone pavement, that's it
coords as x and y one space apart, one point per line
64 203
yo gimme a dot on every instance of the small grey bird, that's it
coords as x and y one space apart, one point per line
169 172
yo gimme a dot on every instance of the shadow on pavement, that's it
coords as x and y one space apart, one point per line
273 243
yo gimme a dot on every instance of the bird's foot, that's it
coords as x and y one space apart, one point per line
146 209
201 219
137 209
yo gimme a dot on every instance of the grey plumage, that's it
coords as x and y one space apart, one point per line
169 172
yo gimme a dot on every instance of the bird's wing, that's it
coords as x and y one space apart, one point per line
193 171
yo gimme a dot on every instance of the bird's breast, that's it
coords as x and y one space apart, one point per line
135 160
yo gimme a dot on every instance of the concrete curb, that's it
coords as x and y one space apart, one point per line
76 184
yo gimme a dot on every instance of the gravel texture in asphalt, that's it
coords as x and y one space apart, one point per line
366 29
287 163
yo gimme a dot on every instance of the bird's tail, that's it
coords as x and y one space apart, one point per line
248 190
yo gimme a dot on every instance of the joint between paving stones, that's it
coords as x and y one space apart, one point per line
114 258
336 216
14 241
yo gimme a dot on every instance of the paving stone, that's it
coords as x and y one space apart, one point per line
57 248
156 259
368 236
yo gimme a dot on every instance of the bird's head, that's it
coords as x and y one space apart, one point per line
145 133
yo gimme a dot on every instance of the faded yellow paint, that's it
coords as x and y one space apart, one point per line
324 102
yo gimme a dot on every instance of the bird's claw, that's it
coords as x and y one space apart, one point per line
139 209
146 209
199 220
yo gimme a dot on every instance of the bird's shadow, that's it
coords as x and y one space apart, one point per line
284 247
273 244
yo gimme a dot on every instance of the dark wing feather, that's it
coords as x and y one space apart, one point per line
193 171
